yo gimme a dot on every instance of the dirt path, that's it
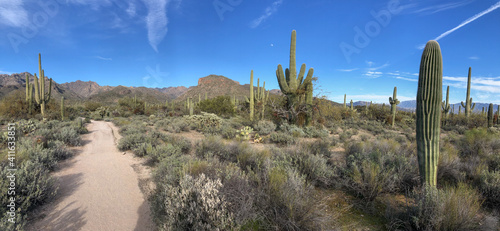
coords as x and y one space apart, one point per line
98 188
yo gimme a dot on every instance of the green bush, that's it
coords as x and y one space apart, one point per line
489 186
439 209
282 138
69 136
265 127
314 132
220 105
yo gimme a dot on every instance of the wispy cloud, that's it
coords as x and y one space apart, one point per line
156 21
486 84
13 14
373 74
131 10
270 10
5 72
103 58
441 7
407 79
474 57
379 67
469 20
347 70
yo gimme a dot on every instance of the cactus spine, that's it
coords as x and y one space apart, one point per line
251 96
468 101
62 108
394 102
429 96
446 104
40 96
490 115
291 84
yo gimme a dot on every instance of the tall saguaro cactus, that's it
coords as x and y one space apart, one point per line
291 84
490 115
345 106
40 96
446 104
468 100
394 102
429 96
29 94
251 96
62 108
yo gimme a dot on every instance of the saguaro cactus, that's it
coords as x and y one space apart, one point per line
291 84
394 102
40 96
345 106
251 96
490 115
468 101
261 97
62 108
429 96
446 104
29 94
191 106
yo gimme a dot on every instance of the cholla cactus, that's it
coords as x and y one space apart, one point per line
257 138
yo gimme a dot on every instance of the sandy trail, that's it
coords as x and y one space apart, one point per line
98 188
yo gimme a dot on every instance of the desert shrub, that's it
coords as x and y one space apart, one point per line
318 147
282 138
143 149
265 127
253 160
178 125
373 168
489 186
196 204
34 186
133 128
313 166
215 146
28 149
454 208
288 203
160 152
227 132
59 149
220 105
131 141
449 166
183 143
68 135
314 132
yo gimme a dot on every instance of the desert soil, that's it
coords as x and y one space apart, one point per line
100 188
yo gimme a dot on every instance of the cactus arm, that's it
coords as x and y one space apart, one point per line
37 90
473 105
300 78
282 80
47 97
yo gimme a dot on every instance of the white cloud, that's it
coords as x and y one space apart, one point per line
373 74
131 10
474 57
5 72
13 14
347 70
407 79
485 84
442 7
156 21
270 10
379 67
103 58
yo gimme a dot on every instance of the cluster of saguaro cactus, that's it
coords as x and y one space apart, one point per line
62 108
29 94
293 85
490 115
469 107
40 96
261 97
446 104
428 114
394 102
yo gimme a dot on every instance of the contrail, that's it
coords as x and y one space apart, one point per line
469 20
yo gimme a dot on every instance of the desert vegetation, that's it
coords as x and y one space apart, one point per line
290 161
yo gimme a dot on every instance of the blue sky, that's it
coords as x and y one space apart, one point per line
359 48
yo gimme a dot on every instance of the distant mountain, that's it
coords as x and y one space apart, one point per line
173 92
215 85
85 89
